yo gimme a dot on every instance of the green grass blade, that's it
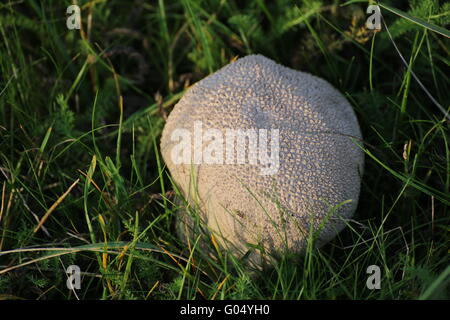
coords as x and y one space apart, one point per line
418 21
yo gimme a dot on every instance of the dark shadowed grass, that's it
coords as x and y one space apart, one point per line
82 181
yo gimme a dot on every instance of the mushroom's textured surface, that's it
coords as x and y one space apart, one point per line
317 183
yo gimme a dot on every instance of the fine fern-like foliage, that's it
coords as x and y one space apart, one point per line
428 10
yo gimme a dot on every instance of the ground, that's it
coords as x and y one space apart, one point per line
81 177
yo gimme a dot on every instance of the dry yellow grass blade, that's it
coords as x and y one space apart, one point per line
214 242
122 254
10 297
102 194
8 207
171 256
151 290
53 207
202 294
220 287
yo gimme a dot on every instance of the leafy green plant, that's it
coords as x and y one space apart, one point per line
82 181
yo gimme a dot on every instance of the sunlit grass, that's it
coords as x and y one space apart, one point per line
82 181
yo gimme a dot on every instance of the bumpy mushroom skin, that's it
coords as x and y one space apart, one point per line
320 162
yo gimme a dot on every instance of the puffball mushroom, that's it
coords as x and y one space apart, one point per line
302 163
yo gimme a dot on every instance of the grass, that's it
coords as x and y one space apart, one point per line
82 181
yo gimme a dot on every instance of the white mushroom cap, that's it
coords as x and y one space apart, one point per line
320 162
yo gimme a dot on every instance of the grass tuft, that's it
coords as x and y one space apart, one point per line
82 181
